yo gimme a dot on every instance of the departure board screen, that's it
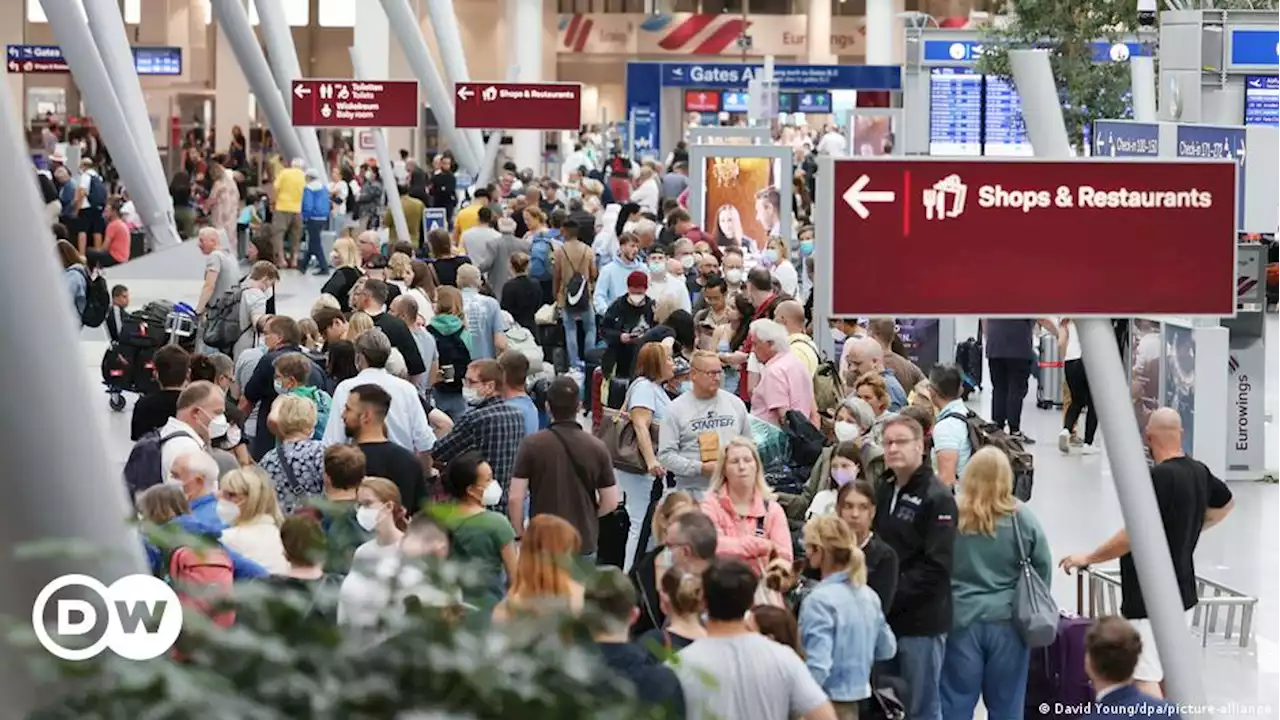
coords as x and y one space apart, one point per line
955 112
1004 132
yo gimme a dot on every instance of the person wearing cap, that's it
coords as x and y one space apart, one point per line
315 218
625 322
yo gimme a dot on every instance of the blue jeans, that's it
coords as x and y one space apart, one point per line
572 319
919 662
314 247
988 658
635 490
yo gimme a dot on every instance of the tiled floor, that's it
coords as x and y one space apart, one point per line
1074 497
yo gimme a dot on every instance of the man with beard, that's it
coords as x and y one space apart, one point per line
364 416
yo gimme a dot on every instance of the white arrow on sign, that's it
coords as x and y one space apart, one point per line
466 93
301 91
855 196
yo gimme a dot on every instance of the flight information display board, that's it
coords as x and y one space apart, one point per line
1004 134
955 112
1262 100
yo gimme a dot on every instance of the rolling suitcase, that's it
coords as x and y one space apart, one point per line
1056 675
969 359
1051 372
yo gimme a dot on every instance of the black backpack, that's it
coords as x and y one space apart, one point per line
576 295
983 433
97 193
97 300
143 468
222 320
350 205
454 357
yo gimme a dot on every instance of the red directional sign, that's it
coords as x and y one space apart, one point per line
1032 238
38 67
355 103
518 106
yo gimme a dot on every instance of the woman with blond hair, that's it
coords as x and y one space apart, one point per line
247 504
997 539
544 571
780 268
751 525
345 260
680 597
448 328
295 467
842 627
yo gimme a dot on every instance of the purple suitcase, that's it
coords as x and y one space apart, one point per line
1056 675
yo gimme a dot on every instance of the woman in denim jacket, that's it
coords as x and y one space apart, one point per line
842 627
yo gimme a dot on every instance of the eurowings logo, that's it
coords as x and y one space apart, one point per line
696 34
576 29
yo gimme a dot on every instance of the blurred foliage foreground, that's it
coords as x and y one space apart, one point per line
285 658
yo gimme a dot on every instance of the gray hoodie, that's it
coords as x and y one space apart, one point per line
688 429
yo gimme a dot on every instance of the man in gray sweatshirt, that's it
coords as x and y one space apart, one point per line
698 424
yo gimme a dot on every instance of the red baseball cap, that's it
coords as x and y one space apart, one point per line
638 281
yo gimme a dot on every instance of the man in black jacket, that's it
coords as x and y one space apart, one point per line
281 336
626 321
916 516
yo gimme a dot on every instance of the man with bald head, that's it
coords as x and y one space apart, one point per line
790 315
221 272
866 355
1191 500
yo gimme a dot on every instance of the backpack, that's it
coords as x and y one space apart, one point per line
350 205
203 578
540 258
143 468
983 433
222 320
97 193
453 357
806 441
97 300
828 388
576 296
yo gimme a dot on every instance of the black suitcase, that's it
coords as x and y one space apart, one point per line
969 358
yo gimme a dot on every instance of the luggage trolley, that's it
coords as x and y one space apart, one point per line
127 365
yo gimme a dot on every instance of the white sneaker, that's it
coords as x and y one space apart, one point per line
1064 441
1089 450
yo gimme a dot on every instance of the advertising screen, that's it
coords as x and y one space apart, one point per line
702 101
813 102
1262 100
742 205
1144 369
733 101
1180 379
955 112
872 135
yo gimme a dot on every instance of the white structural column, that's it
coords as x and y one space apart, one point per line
372 37
231 90
444 23
107 26
525 18
880 32
818 33
384 158
282 56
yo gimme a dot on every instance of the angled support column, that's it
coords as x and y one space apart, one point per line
1142 75
50 495
107 26
1042 113
234 21
384 158
405 27
71 30
284 65
444 23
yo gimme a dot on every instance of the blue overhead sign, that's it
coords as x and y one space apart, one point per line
1217 141
1125 138
1262 100
967 52
1253 48
158 60
733 76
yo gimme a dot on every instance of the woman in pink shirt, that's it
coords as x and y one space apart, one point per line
750 524
116 240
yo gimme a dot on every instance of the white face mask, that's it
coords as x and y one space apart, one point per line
733 276
228 512
846 431
838 335
368 517
687 262
492 494
218 426
471 396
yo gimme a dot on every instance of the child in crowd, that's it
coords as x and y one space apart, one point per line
293 370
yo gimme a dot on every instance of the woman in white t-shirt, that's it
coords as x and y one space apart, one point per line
783 272
646 405
247 504
1078 386
379 512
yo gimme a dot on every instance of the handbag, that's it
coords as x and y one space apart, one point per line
619 435
1035 613
611 540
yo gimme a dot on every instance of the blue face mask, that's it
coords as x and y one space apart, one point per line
771 256
806 247
280 388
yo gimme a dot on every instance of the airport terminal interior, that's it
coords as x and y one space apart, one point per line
651 73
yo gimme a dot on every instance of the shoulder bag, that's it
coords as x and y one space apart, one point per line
1035 613
619 436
